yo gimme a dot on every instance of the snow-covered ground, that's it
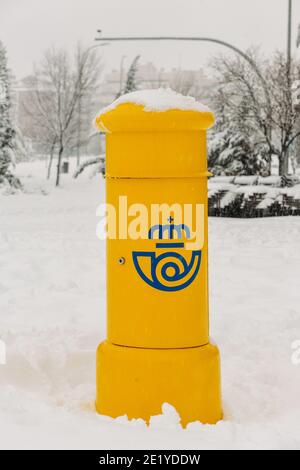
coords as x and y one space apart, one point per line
52 317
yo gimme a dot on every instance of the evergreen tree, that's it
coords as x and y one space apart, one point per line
130 84
7 132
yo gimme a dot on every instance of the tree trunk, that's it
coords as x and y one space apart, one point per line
60 153
269 163
50 162
284 163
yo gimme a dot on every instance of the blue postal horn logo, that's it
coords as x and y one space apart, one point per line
168 271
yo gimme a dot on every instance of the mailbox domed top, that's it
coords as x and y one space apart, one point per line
154 110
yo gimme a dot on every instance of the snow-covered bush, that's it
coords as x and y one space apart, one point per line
97 164
231 152
235 200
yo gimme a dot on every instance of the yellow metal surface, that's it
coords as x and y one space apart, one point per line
138 314
156 154
136 382
151 167
157 349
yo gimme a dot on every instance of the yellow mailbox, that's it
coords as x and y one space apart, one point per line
157 347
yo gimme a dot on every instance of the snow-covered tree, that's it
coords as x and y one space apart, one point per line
234 147
130 84
59 84
231 152
7 132
259 96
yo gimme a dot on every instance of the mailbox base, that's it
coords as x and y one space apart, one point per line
136 382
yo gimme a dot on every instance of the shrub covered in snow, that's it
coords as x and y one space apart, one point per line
235 199
232 152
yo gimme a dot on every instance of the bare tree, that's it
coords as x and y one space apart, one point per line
85 109
243 97
36 126
57 87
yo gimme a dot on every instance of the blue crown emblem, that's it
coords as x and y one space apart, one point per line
168 271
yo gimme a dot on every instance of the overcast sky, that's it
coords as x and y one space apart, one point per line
27 27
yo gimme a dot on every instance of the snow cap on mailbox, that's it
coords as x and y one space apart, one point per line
155 112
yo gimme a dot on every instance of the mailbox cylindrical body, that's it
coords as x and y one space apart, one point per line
157 347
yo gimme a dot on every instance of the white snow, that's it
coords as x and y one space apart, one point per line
246 180
214 188
265 203
161 99
227 199
52 317
221 179
270 180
